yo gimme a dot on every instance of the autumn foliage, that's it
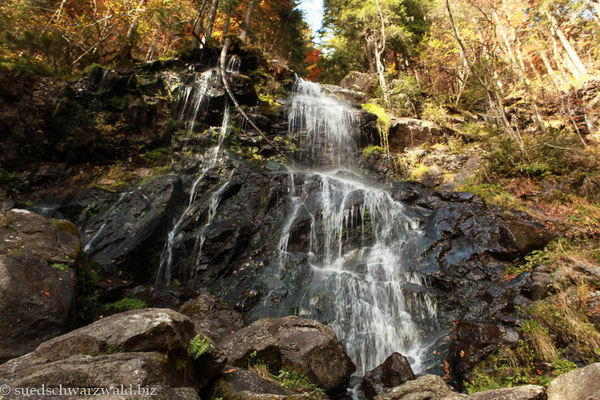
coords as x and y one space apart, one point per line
68 35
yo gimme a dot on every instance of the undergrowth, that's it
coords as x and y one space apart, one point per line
291 380
557 333
126 303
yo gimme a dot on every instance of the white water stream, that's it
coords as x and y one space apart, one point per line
358 242
192 98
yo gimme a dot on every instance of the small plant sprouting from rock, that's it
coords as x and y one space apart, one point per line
127 303
198 346
60 266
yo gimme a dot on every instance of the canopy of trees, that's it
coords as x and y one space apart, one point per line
68 35
472 54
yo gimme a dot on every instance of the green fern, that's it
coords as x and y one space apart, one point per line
198 346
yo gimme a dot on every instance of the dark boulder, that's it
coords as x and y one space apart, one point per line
144 347
243 89
135 347
36 303
394 371
109 371
26 104
161 297
295 344
409 132
359 81
145 330
212 317
346 94
37 280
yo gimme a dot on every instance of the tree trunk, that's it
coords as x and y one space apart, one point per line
567 45
55 17
135 22
517 60
371 52
225 80
225 29
495 101
211 20
379 50
246 26
198 25
559 60
125 52
397 63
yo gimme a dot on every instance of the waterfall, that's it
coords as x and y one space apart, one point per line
323 125
209 161
192 97
164 274
360 239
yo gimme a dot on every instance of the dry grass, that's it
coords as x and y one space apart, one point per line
564 316
262 370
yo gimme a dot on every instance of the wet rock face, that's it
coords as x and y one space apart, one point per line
475 340
474 246
464 251
37 280
463 254
129 234
394 371
295 344
245 200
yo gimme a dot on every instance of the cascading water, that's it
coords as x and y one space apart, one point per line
359 240
192 98
322 124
